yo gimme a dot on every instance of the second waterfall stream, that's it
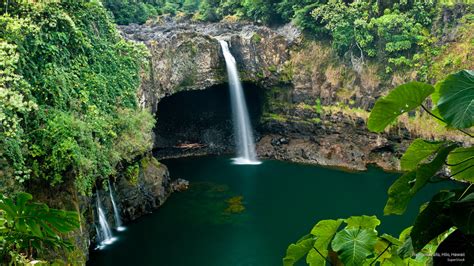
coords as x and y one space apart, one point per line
242 127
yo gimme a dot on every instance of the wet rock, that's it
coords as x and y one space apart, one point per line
148 192
179 185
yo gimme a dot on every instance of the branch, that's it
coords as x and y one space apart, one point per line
388 246
442 120
465 191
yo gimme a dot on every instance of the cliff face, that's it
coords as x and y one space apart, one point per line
136 192
299 77
187 56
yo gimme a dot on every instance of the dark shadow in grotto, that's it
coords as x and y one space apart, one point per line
200 122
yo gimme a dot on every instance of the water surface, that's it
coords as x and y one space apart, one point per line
247 215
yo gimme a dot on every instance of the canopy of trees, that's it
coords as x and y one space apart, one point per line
395 32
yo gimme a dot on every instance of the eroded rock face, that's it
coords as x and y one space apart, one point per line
187 55
134 197
147 192
293 71
345 144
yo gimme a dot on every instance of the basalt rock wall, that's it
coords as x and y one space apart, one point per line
316 103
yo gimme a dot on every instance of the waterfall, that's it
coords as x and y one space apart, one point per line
118 220
105 234
242 128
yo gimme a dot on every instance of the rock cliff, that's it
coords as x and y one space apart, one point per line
136 192
298 76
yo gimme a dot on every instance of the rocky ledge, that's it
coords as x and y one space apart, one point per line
336 141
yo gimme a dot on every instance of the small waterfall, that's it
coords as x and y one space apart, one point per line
118 220
105 234
242 127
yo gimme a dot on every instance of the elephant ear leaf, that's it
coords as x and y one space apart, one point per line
363 221
418 151
462 214
456 99
432 221
461 164
323 232
354 245
298 250
402 99
403 190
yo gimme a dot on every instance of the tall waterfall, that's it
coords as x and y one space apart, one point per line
105 236
242 127
118 219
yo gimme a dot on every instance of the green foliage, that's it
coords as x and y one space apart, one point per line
68 99
260 10
208 10
230 8
418 151
448 211
298 250
460 162
323 233
396 33
354 245
27 228
132 173
139 11
358 243
318 108
456 99
126 11
432 221
424 159
402 99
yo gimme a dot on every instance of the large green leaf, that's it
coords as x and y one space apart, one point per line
391 239
427 170
403 98
418 151
462 214
35 223
456 99
298 250
354 245
401 192
432 221
406 249
381 250
324 232
364 222
461 161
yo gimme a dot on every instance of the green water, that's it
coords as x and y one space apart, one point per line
280 201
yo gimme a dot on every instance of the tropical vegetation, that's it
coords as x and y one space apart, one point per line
446 219
68 113
396 32
29 230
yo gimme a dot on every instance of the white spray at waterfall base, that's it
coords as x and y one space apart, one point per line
118 219
242 127
105 236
